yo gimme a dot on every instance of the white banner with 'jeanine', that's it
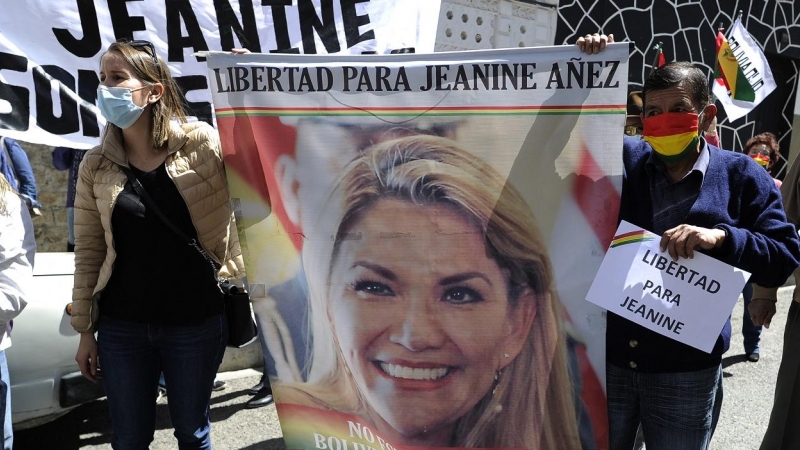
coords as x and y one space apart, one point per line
50 49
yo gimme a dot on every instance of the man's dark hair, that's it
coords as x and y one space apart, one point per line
673 74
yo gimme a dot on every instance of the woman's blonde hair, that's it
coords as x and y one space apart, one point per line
532 405
151 69
5 187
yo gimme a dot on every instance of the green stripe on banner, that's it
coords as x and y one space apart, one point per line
743 90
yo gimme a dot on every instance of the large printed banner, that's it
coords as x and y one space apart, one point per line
50 49
420 233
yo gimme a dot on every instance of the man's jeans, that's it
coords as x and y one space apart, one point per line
5 403
676 410
131 356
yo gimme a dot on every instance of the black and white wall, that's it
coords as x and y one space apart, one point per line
688 30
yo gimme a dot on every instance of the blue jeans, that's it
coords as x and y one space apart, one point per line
5 403
750 332
131 356
676 410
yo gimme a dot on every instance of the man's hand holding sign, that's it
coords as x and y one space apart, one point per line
681 241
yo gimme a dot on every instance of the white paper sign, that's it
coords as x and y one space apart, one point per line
688 300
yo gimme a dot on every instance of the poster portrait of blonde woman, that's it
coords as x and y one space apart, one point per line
432 306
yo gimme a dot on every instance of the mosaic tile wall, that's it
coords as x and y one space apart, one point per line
688 29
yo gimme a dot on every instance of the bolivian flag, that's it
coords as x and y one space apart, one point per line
632 238
743 76
730 72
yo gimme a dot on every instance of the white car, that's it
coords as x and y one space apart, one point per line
45 380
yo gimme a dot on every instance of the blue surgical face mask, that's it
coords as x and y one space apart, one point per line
116 105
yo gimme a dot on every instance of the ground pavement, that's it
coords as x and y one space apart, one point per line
749 388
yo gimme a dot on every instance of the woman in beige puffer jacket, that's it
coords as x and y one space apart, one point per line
152 299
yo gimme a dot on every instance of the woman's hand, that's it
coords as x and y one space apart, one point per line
87 357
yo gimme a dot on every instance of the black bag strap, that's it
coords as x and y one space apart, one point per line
137 186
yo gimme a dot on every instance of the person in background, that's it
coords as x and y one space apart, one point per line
17 250
710 133
154 301
16 167
751 333
69 159
765 150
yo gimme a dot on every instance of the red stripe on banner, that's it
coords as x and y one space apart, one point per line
592 394
416 108
598 200
596 197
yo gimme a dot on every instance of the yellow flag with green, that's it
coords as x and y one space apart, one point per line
730 71
743 76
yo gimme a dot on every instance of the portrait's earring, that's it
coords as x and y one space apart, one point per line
497 374
499 407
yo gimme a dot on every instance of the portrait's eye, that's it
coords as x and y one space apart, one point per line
366 287
462 295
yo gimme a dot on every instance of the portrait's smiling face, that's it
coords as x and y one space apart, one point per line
422 316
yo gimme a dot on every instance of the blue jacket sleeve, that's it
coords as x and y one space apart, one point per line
765 244
23 170
62 158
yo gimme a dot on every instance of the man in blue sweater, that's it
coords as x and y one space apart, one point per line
699 198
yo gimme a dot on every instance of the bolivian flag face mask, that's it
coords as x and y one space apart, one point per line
673 136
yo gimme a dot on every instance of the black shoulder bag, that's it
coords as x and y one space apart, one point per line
241 326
